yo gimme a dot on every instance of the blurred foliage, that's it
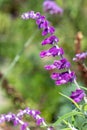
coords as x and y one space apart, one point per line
28 76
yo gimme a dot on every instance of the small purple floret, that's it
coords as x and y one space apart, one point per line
51 7
77 95
49 67
47 30
50 40
59 64
62 78
62 64
80 56
54 51
29 15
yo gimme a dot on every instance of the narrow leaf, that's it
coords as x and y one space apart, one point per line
66 116
70 100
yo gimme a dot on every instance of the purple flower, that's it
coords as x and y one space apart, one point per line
62 78
59 64
49 67
55 76
54 51
39 120
77 95
42 22
80 56
62 64
48 29
50 128
51 7
24 126
29 15
50 40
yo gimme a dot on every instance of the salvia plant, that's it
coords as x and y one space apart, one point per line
61 74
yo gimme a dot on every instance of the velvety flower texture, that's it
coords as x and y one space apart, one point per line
50 40
17 118
62 78
77 95
80 56
59 64
51 7
55 50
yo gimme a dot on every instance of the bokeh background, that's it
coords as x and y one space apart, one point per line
27 83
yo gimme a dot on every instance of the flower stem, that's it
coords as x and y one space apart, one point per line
69 125
17 57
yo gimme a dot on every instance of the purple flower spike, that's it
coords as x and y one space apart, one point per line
17 118
62 78
54 51
80 56
77 95
50 40
51 7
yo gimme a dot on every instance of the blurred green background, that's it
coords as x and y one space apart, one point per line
28 76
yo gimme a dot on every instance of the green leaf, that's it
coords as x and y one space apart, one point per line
66 116
70 100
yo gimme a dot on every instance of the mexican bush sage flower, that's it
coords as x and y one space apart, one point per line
62 78
80 56
77 95
55 50
58 64
51 7
17 119
50 40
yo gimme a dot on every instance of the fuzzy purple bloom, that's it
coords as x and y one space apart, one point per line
47 30
50 40
50 128
62 64
42 22
24 126
54 51
49 67
30 15
51 7
59 64
80 56
77 95
62 78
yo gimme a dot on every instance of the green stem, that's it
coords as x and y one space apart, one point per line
17 57
69 125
